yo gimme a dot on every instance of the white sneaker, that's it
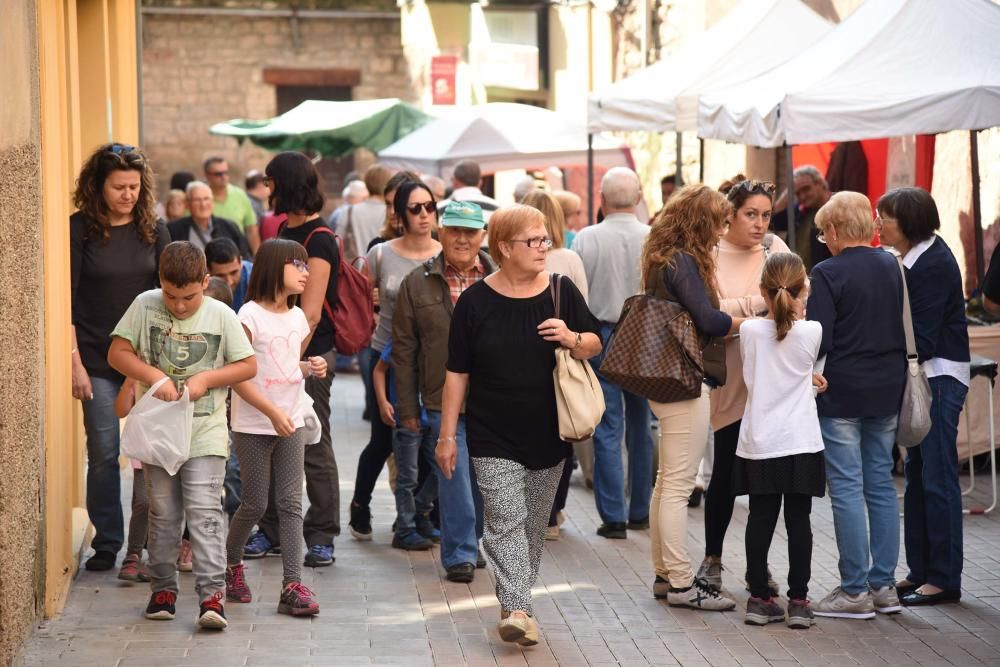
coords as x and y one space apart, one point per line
700 595
886 600
839 604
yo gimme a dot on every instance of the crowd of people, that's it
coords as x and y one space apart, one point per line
803 366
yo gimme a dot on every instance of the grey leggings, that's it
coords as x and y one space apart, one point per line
516 503
263 458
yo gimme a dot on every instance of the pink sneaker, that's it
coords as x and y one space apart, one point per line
236 584
185 561
297 600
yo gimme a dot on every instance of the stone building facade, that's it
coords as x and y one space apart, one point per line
201 66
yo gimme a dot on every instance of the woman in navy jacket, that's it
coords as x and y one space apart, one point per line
932 525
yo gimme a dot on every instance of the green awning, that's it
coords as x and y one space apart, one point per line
331 129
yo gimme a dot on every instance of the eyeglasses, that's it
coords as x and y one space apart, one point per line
752 187
428 206
821 237
536 242
299 264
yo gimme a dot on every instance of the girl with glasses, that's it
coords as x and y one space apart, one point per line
268 419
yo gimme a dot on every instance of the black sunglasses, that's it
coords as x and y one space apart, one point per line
428 206
126 153
753 187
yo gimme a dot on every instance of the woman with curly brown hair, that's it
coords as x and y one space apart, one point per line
678 263
115 246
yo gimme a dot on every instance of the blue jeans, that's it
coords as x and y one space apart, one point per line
932 520
460 502
409 447
233 484
625 414
859 474
104 481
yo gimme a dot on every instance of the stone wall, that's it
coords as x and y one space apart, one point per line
21 317
198 70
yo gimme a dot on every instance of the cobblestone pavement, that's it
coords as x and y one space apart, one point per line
593 601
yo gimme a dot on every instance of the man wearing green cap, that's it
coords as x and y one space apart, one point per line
420 325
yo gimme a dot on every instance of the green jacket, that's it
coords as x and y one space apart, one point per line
420 327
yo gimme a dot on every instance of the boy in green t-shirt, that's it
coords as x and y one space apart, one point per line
198 343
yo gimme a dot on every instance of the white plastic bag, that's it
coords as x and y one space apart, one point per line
159 432
313 429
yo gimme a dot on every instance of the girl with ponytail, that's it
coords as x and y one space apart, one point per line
779 455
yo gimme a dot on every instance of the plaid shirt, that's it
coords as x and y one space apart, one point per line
458 282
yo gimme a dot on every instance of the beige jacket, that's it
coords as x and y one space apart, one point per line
738 274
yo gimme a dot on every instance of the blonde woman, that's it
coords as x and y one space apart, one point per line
573 213
501 354
678 263
559 259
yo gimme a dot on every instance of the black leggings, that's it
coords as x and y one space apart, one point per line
719 499
375 453
764 511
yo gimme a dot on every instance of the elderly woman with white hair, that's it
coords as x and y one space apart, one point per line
501 354
857 295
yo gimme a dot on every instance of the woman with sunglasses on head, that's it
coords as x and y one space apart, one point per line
295 192
388 264
739 260
501 353
115 245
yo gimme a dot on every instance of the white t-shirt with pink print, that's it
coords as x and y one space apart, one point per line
277 343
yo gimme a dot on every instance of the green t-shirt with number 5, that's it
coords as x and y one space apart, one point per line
210 338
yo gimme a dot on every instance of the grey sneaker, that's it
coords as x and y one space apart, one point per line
772 585
762 612
886 600
699 595
800 615
840 604
711 572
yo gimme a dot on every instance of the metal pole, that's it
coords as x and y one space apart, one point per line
138 72
977 214
590 178
701 160
790 177
678 179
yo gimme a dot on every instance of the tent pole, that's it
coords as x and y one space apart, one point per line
977 215
790 178
678 179
701 160
590 178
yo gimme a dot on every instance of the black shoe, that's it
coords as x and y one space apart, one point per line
916 599
641 524
612 531
161 606
101 561
906 590
694 500
411 540
462 573
361 522
480 560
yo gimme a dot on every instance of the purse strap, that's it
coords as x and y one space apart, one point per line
911 345
555 288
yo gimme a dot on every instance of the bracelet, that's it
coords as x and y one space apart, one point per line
447 438
579 340
74 351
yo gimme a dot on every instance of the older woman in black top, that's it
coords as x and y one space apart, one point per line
857 295
932 521
502 342
115 243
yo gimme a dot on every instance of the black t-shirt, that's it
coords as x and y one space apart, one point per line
511 409
322 245
104 279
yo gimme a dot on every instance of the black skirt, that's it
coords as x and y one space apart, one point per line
797 473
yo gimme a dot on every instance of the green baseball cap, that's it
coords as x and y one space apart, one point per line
463 214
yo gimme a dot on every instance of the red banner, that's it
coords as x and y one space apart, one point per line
443 70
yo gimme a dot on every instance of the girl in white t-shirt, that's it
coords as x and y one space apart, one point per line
780 450
268 419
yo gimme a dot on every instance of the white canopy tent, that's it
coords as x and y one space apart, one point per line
891 68
499 136
756 36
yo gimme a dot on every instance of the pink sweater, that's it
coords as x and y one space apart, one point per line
738 274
